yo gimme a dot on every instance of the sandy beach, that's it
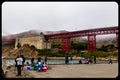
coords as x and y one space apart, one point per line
71 71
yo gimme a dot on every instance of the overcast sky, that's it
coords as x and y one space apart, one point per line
18 17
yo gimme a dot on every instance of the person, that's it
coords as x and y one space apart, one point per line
66 60
27 66
94 59
44 67
110 60
16 63
23 61
45 59
89 61
40 65
39 59
3 74
71 60
36 65
32 62
80 61
19 64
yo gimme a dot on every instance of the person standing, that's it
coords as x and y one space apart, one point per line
23 61
32 62
16 63
19 64
66 60
39 59
110 60
71 60
94 59
45 59
80 61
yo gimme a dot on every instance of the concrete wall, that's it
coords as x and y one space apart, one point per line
38 41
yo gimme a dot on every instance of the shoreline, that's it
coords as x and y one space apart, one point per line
62 58
71 71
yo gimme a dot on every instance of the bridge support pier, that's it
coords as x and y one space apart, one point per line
65 44
91 43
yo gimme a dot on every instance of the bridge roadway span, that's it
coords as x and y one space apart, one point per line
91 33
97 31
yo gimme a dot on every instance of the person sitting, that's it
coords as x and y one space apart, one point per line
27 66
45 67
40 65
90 61
36 65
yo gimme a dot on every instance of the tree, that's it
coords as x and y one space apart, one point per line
79 46
55 45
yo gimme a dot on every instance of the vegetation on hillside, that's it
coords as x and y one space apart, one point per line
79 46
77 49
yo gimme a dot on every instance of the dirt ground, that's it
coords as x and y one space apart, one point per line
11 73
71 71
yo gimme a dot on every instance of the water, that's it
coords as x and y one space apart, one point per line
51 61
54 61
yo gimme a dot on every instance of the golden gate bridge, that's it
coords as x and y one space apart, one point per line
90 33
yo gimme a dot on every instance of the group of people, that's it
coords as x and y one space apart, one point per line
67 60
88 60
20 60
39 64
91 60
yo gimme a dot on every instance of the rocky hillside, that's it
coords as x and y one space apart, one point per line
9 51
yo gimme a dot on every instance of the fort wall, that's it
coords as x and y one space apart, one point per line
38 41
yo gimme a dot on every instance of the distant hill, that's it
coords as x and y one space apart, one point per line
32 33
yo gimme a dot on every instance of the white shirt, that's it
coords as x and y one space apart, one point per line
19 61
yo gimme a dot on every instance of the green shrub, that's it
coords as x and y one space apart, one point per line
49 53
